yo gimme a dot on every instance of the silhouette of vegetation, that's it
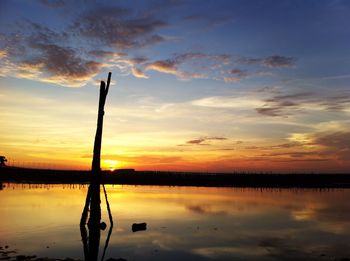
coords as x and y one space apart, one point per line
164 178
2 161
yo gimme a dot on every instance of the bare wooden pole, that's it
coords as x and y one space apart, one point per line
92 206
96 160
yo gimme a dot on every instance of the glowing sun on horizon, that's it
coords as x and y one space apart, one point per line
111 165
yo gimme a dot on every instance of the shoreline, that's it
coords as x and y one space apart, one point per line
162 178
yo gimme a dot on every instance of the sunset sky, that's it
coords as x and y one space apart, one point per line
196 85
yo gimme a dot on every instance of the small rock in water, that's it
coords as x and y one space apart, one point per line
139 227
103 226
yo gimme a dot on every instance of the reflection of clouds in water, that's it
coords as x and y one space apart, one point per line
160 244
285 249
303 214
336 212
227 223
299 248
118 229
239 252
189 223
329 212
205 210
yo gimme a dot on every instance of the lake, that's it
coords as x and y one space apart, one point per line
183 223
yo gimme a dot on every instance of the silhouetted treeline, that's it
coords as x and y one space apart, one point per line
179 178
29 175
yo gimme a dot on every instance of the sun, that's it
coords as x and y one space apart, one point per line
111 165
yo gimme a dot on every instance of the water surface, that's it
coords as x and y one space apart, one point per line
183 223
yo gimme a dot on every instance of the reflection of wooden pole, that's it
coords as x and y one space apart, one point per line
91 240
96 161
94 222
83 232
111 223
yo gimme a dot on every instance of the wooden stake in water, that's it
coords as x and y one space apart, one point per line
96 160
91 240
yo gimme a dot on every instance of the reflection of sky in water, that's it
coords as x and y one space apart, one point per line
182 223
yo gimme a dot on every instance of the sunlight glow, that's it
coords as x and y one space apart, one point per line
110 164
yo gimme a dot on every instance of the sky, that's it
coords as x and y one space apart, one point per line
218 86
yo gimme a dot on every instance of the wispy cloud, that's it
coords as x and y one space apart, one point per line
272 102
229 102
319 146
3 54
236 75
45 59
107 35
64 56
336 143
60 61
287 145
166 66
138 73
204 140
198 65
282 105
191 60
104 54
184 57
118 27
273 61
289 104
337 103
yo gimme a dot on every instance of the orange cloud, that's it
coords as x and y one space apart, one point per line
138 73
166 66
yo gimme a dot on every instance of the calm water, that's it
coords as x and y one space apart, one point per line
183 223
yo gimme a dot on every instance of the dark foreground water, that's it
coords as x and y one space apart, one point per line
183 223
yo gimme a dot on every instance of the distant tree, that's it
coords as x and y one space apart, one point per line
2 161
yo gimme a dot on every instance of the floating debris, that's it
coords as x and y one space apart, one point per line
139 227
103 226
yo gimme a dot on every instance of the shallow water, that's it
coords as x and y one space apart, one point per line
183 223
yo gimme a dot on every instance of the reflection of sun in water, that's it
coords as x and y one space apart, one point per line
111 164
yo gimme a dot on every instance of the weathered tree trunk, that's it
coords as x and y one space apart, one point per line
96 161
91 240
